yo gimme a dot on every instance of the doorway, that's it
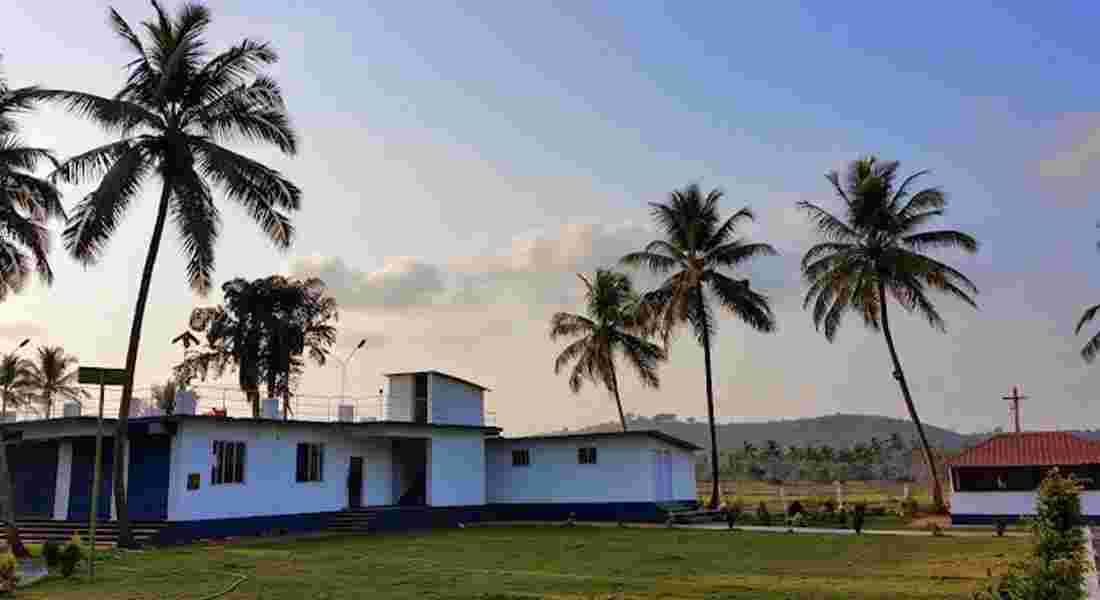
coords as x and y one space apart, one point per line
355 482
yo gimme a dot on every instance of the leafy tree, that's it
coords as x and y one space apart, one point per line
178 107
262 330
696 247
874 253
164 396
53 376
609 329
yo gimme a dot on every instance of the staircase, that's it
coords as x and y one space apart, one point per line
106 532
356 521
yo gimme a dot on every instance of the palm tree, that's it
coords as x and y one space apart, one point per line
179 106
27 202
53 377
697 246
873 253
13 381
611 328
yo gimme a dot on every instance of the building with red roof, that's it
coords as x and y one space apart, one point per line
999 477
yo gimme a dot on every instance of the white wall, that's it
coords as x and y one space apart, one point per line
271 457
455 403
624 471
399 398
456 464
1011 503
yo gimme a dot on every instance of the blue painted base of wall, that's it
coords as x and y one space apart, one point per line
634 512
975 519
182 532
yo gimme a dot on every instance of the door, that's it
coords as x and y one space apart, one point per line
355 482
83 473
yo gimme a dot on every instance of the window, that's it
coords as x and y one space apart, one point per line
228 464
586 456
521 458
311 462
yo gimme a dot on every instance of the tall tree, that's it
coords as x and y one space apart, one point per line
262 330
51 377
13 382
611 329
27 203
696 247
873 253
179 105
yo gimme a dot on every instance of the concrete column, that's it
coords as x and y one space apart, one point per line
125 477
64 480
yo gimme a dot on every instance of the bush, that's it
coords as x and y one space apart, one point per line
859 513
51 551
829 506
733 512
878 511
909 508
795 508
71 556
1057 566
8 576
1000 524
762 514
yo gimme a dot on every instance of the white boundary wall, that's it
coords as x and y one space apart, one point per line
1012 503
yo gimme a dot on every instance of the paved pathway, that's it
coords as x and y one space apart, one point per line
825 530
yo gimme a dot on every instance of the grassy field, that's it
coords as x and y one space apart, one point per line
506 563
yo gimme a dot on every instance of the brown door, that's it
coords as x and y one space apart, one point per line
355 482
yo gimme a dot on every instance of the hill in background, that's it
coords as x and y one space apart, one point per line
838 431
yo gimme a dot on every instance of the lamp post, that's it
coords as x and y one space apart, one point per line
344 367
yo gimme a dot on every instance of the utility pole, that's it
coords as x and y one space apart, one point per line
1014 407
344 369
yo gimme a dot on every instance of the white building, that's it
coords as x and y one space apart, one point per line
430 459
998 478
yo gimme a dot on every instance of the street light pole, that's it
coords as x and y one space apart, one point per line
344 368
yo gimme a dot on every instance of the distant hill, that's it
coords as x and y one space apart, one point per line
839 430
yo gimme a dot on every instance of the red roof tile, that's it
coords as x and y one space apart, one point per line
1041 448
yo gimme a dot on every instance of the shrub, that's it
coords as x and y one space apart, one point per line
51 551
762 514
1000 524
733 512
795 508
71 555
8 577
1057 566
909 508
859 513
829 506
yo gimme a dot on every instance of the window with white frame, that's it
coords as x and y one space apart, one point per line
521 458
586 456
311 462
228 462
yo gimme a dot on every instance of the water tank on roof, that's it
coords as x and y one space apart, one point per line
70 409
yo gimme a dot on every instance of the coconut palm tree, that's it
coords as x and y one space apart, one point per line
610 329
13 381
696 247
27 202
53 376
873 253
178 108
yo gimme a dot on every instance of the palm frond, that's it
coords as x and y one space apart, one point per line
658 263
114 115
199 224
95 218
941 239
570 354
564 324
1089 314
737 253
829 226
722 234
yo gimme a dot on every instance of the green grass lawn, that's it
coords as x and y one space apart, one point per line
505 563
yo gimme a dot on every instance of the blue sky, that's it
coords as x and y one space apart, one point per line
460 162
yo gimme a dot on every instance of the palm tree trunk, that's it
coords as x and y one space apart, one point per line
125 537
937 489
7 503
615 393
714 498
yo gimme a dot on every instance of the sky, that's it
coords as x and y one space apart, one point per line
461 162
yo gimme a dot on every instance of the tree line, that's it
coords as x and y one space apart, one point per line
875 459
